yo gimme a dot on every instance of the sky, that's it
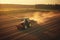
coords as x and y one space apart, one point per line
29 2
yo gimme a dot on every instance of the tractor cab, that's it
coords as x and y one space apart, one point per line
25 24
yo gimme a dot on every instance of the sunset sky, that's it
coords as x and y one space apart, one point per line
29 2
